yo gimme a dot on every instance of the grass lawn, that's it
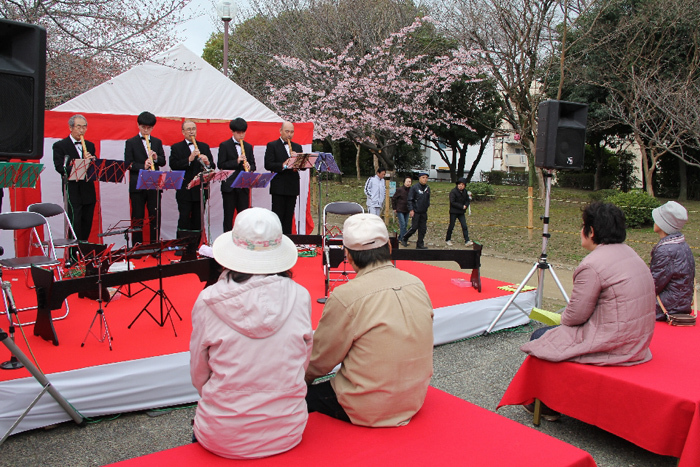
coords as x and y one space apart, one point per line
501 223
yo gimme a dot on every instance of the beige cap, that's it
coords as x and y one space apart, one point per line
364 232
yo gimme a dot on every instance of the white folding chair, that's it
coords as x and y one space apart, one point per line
22 220
69 239
334 214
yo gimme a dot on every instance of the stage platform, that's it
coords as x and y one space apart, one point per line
149 365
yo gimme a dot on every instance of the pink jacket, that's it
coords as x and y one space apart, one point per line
610 318
249 350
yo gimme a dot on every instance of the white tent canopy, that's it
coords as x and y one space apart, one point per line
176 83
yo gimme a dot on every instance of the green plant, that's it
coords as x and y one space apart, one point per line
481 191
600 195
637 206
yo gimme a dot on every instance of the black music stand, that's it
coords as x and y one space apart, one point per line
204 179
165 303
125 227
158 180
325 163
97 260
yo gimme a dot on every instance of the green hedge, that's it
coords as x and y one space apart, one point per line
481 191
637 206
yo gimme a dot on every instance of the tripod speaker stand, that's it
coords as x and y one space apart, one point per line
541 266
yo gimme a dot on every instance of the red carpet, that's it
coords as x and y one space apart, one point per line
446 431
147 339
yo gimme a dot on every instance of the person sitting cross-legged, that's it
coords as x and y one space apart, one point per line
380 327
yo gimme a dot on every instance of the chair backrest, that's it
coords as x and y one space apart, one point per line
344 208
46 209
20 220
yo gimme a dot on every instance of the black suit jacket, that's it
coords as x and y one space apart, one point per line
65 151
135 153
286 182
179 155
228 160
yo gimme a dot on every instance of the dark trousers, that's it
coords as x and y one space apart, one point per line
283 206
321 398
537 333
80 216
190 216
140 200
462 221
420 224
234 201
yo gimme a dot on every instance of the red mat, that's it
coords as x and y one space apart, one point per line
147 339
655 405
446 431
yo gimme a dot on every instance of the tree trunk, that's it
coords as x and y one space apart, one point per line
683 175
647 169
357 159
597 178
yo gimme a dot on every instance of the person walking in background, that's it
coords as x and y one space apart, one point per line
672 264
399 203
459 203
375 189
418 204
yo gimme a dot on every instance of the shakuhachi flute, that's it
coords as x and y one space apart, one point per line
194 142
148 148
246 165
85 151
290 146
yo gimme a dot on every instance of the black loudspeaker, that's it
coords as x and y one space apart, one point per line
561 135
22 90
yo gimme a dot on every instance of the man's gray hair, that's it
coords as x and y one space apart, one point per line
71 121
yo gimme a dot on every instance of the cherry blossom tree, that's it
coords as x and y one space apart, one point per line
89 41
376 99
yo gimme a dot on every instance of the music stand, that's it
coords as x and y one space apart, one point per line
303 161
252 180
165 302
125 227
159 180
97 259
19 175
325 163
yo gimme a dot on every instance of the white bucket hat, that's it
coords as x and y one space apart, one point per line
256 244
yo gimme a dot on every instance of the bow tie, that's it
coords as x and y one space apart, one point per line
236 143
77 143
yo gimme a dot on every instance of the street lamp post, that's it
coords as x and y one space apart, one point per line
226 10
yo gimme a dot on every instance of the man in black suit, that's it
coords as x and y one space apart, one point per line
80 194
193 159
231 157
136 153
284 188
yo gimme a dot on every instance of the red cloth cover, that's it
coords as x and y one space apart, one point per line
446 431
653 405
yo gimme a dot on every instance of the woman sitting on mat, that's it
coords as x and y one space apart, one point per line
610 317
672 264
251 342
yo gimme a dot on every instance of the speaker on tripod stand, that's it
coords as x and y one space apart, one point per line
561 135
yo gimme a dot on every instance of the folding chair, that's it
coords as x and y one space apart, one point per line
69 239
24 221
332 242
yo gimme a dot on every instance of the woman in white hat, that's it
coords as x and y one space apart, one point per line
672 263
251 342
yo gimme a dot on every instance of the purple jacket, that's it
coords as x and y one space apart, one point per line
610 318
673 269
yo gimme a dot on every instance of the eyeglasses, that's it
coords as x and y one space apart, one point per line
82 127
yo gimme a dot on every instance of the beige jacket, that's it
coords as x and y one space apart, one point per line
380 326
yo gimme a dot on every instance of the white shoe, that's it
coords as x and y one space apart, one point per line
449 243
469 243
